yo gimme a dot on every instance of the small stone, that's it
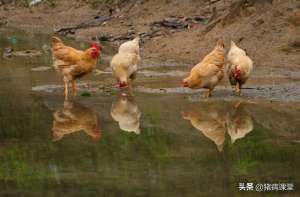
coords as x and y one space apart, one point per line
258 22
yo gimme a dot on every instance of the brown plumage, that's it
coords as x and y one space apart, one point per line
210 121
214 119
73 63
209 72
74 117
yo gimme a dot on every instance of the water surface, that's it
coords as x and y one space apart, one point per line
149 144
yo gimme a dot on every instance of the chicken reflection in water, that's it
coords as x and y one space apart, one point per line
126 112
239 123
215 119
74 117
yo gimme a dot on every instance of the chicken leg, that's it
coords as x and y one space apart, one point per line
66 81
130 90
66 91
238 89
75 87
208 93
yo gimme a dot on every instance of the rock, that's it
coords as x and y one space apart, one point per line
103 38
130 32
96 21
295 44
33 2
250 10
174 23
258 22
179 22
200 19
8 50
26 53
46 48
3 21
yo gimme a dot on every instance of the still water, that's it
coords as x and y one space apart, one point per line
142 145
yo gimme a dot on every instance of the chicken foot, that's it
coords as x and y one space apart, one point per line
130 90
208 93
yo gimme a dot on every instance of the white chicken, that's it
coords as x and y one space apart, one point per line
131 46
239 122
126 112
239 67
125 63
239 127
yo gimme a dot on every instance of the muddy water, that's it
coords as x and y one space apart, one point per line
163 141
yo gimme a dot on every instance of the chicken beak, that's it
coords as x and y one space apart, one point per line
123 85
184 114
184 83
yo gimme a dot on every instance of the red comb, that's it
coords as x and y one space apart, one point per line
96 45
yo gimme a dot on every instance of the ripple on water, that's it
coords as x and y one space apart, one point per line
46 88
41 68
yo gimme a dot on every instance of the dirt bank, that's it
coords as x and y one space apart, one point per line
173 29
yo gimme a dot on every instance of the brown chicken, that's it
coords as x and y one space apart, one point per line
209 72
215 119
73 63
210 120
74 117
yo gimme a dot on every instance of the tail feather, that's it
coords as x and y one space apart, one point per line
220 42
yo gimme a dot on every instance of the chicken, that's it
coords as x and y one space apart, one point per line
75 117
209 72
125 63
239 67
215 119
239 127
210 120
127 114
73 63
239 123
130 46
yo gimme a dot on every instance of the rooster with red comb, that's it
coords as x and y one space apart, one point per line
72 63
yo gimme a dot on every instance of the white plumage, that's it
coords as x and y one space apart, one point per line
239 66
125 63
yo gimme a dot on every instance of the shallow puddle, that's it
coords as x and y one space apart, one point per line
155 143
